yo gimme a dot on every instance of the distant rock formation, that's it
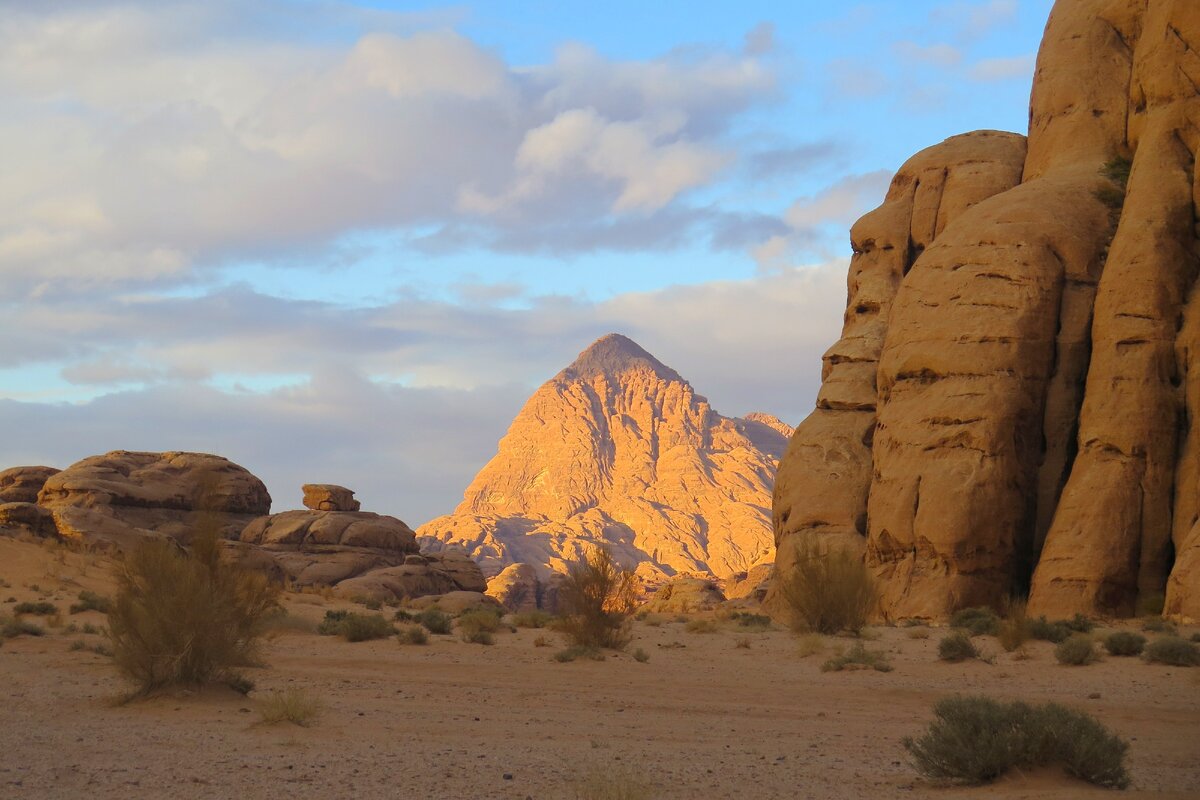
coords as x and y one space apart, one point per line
328 497
1008 407
618 450
22 484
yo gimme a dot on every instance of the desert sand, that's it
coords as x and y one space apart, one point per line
451 720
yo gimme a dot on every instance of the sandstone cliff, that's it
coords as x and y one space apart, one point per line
1008 407
619 450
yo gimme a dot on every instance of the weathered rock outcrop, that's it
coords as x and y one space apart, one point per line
515 588
120 497
22 484
328 497
686 595
618 450
1012 387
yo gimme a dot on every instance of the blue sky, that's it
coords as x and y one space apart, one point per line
342 242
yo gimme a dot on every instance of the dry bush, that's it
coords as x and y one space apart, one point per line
742 643
858 657
641 656
981 621
1078 650
435 620
478 625
412 634
976 740
187 618
577 652
291 705
957 647
39 609
609 784
1173 650
532 619
90 601
1124 643
917 633
1015 629
828 592
809 644
355 627
1153 625
597 598
701 626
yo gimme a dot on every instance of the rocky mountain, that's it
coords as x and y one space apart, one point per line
619 450
1009 408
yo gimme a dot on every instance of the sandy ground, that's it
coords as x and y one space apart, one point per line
706 719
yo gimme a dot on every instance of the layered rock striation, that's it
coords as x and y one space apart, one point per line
618 450
1008 409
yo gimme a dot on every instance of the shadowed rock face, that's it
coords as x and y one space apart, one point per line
619 450
1007 408
22 484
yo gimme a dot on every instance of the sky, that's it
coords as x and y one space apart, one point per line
342 242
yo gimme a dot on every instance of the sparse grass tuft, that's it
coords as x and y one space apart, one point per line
291 705
828 592
641 656
597 598
541 641
956 647
976 740
809 644
478 625
701 626
981 621
917 633
1124 643
858 657
1049 631
577 652
1015 628
1077 651
1152 625
478 637
742 643
532 619
756 622
1174 651
187 619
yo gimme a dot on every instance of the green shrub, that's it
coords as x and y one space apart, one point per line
1173 650
597 598
365 627
1124 643
402 616
90 601
858 657
1049 631
957 647
412 634
828 592
478 621
331 625
981 621
532 619
435 621
1077 650
187 619
1079 624
976 740
41 609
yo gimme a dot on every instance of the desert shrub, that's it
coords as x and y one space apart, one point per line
1173 650
828 592
957 647
435 621
1049 631
572 653
809 644
12 628
364 627
1124 643
331 625
1117 170
1015 628
187 618
1150 604
1079 624
858 657
976 740
402 616
980 621
597 598
641 656
479 621
41 609
1077 650
742 643
90 601
412 634
478 637
653 620
291 705
541 641
917 633
1153 625
531 619
745 619
90 628
701 626
77 645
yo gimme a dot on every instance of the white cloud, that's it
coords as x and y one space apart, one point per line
842 203
1003 69
939 55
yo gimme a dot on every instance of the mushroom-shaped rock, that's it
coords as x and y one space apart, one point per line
329 497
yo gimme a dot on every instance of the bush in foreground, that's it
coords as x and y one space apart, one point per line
435 621
291 705
1174 651
187 618
412 634
1124 643
976 740
828 592
90 601
1076 651
597 598
478 625
858 657
957 647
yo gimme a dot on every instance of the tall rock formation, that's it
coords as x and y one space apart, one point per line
619 450
1008 408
